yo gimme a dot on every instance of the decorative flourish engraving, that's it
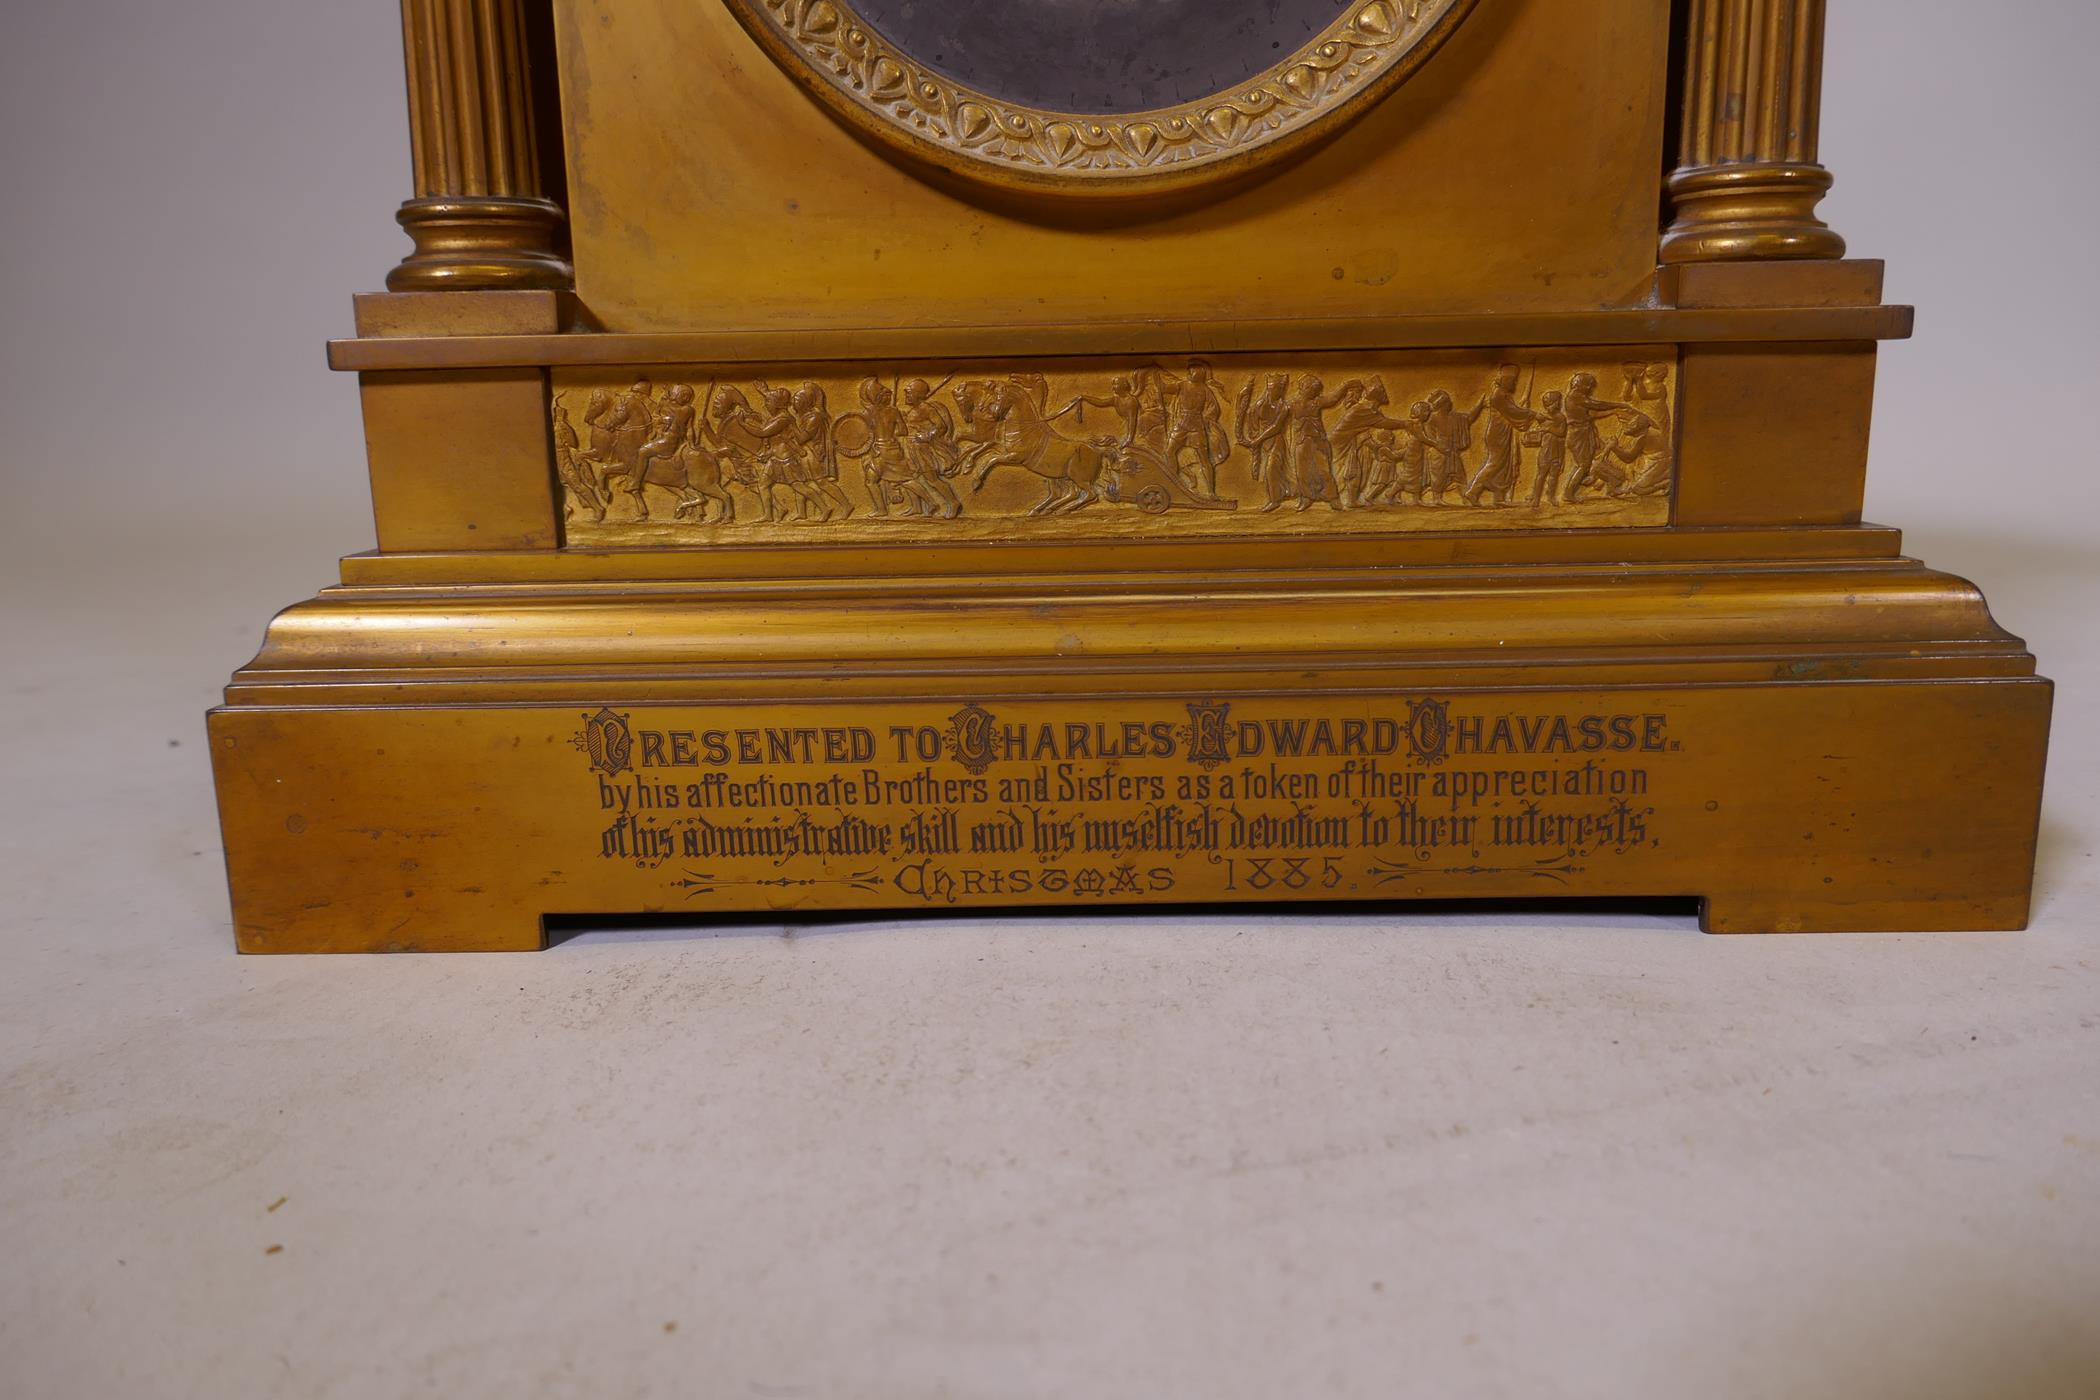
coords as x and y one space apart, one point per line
700 882
1554 868
1178 448
847 61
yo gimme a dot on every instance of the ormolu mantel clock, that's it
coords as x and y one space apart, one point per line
839 454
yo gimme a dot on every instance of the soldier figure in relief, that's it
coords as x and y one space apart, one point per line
619 426
674 424
753 461
569 465
930 447
1259 424
812 428
887 465
1497 478
676 460
781 451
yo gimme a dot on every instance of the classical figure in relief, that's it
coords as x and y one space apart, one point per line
1122 396
1151 433
694 472
1258 426
670 458
1584 410
1411 465
1496 481
1648 389
1309 451
1549 434
1448 434
1644 447
1364 465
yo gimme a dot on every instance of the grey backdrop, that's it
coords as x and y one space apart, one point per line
193 191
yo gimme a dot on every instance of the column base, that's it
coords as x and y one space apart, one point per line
481 243
1749 212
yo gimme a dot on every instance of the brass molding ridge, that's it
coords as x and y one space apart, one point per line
1626 326
920 112
288 693
579 637
1137 559
1092 583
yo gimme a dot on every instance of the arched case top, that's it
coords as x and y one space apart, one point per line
1071 98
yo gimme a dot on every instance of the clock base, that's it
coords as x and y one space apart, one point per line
1838 742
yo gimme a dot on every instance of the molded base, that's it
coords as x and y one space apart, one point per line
1806 747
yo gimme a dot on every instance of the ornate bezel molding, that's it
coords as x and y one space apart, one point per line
890 96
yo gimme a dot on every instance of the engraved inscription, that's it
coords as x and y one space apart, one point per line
1043 800
1434 441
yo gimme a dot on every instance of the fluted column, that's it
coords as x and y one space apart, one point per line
480 217
1747 181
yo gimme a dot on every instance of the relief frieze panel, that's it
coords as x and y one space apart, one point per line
1159 448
